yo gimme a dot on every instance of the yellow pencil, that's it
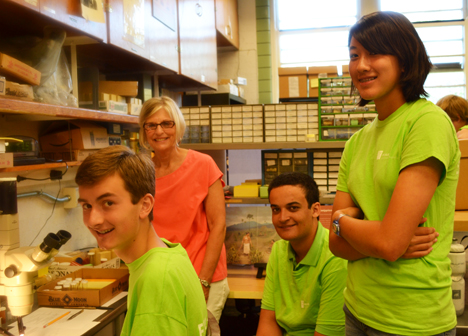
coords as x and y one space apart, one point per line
58 318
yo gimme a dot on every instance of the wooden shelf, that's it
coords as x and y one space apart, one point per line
40 110
250 200
40 166
266 145
460 221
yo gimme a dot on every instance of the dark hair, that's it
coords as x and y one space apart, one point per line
456 107
136 170
391 33
302 180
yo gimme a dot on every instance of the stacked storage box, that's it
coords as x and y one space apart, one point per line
237 124
197 120
290 122
276 162
325 170
340 117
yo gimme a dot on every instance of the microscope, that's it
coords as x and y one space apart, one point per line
19 265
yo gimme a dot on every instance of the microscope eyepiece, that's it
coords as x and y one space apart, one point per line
42 251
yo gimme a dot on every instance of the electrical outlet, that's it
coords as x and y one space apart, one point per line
73 194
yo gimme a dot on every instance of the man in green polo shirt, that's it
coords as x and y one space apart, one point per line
304 285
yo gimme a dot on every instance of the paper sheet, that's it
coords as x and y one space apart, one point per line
35 322
115 299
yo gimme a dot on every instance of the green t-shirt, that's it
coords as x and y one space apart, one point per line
164 295
308 296
409 296
463 127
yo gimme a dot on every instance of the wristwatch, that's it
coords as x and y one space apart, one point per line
205 283
336 225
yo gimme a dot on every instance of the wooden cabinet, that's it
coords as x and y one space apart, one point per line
126 26
227 23
68 12
197 41
162 33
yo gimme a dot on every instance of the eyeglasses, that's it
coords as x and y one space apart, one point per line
154 126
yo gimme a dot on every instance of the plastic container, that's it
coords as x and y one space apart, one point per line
458 294
457 258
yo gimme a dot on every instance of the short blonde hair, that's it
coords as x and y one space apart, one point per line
153 105
456 107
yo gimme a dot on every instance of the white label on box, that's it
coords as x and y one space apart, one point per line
247 121
216 122
320 168
257 108
6 160
247 115
320 175
270 132
280 114
217 140
237 121
237 127
249 127
270 126
258 139
280 107
270 107
258 133
236 115
195 122
257 120
293 83
236 108
236 133
227 121
292 119
226 115
281 126
291 138
227 133
291 132
291 113
270 114
216 115
227 128
227 140
237 139
216 128
302 120
194 116
291 107
205 122
247 139
281 120
270 120
247 133
217 134
321 182
204 116
270 139
320 161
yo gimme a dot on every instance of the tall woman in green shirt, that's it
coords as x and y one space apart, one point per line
396 174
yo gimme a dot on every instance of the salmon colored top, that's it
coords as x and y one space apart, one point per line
179 211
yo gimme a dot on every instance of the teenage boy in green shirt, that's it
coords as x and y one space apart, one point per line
303 292
117 189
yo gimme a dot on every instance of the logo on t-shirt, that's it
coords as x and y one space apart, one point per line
381 155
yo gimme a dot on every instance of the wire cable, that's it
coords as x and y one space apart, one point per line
20 178
53 209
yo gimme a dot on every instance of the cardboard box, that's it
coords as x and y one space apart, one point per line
6 160
47 296
246 190
23 91
62 270
293 82
134 109
82 134
120 88
2 85
461 200
17 70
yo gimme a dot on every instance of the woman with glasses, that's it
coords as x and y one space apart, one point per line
396 174
189 202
